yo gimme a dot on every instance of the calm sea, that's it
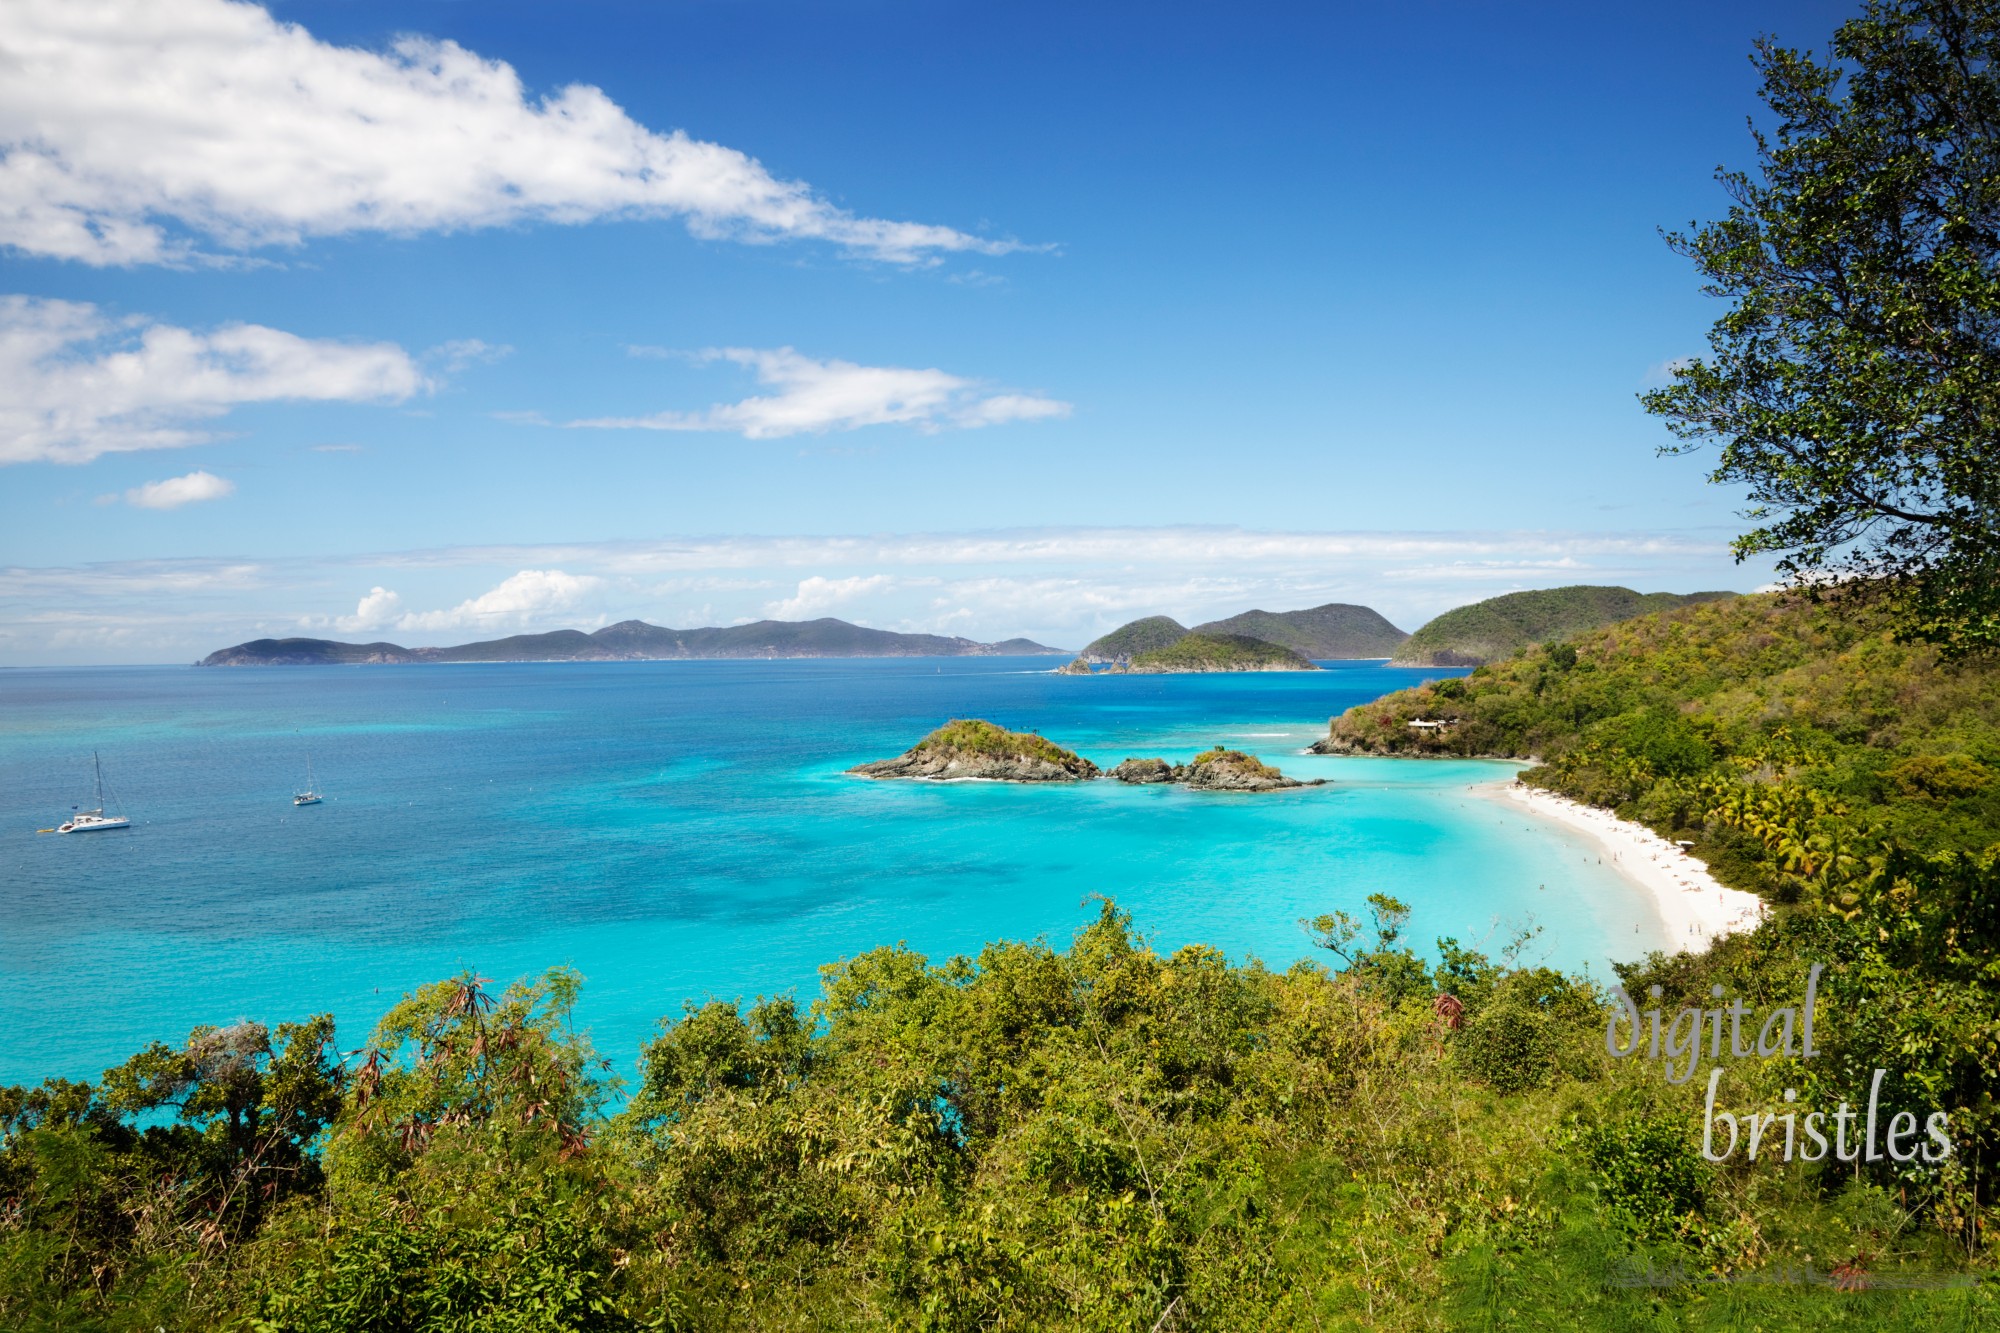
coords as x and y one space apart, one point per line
681 830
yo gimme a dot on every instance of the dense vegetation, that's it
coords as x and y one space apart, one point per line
971 735
1105 1137
1811 756
1220 652
1489 630
1135 637
1336 630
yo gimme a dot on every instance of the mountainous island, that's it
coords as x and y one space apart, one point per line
1336 630
634 641
1490 630
1215 652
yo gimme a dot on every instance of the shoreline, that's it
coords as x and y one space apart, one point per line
1694 907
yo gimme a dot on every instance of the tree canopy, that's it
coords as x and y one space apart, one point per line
1854 383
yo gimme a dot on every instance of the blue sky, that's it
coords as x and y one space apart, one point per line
989 320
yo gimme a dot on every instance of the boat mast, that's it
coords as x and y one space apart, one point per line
98 764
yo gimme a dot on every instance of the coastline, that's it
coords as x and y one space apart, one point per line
1695 908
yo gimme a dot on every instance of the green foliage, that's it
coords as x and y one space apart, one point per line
974 736
1237 759
1533 1031
1648 1171
1854 383
1137 637
1501 626
1095 1138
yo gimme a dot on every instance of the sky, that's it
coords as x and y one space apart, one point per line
435 321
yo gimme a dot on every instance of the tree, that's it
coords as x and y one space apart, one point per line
1854 384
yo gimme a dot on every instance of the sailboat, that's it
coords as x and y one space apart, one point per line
91 821
310 796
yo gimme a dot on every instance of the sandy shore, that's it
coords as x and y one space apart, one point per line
1694 907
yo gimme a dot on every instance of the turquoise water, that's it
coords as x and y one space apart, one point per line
680 830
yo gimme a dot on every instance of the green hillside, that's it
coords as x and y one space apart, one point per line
1668 714
1336 630
1129 640
1219 652
1489 630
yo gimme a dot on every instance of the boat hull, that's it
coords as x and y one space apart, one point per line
95 826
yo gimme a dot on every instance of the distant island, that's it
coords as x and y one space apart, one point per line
975 749
1336 630
1216 652
635 641
1502 626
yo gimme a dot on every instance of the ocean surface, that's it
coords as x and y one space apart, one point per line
684 830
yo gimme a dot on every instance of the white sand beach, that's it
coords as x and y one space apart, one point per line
1694 907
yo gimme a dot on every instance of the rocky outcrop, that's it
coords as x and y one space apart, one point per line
1212 770
971 748
1076 666
1233 770
1144 770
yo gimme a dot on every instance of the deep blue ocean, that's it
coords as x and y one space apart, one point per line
682 830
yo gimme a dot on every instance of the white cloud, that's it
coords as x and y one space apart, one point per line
134 129
174 492
76 383
818 396
817 596
379 609
518 602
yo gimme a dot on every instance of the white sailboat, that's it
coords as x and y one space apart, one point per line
310 796
92 821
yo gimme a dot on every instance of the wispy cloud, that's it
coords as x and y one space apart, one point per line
459 353
814 397
174 492
76 383
135 131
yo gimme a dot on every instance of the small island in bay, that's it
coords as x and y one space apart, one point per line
1219 769
972 748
